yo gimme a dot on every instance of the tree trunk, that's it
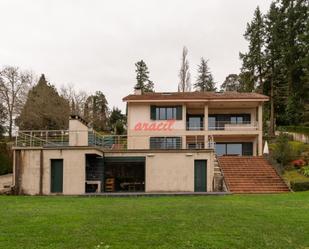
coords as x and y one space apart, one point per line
272 113
10 126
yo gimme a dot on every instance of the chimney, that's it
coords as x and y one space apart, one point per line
137 91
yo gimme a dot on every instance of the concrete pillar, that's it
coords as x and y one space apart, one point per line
184 142
260 128
260 117
184 115
255 146
260 144
206 117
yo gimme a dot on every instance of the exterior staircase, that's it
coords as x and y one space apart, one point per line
245 174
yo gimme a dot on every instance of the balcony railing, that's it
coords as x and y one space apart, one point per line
232 126
66 138
195 126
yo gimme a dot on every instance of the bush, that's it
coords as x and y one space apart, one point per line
299 186
283 152
5 159
298 163
305 171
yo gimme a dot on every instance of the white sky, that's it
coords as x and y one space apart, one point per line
94 44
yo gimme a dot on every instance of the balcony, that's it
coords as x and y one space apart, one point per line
232 126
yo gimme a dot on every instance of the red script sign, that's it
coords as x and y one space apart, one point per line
155 126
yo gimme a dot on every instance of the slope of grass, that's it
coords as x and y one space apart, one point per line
295 175
238 221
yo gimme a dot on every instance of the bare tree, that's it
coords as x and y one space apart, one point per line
14 86
77 99
184 74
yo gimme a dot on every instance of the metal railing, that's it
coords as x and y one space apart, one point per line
195 126
42 138
232 126
65 138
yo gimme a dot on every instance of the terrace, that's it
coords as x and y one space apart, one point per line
91 138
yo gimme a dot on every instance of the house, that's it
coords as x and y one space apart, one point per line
174 143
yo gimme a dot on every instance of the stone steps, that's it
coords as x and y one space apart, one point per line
251 175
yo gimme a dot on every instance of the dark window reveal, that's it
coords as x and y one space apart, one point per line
244 149
165 112
165 143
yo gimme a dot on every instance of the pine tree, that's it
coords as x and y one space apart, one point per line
204 81
117 121
184 74
142 77
44 109
253 60
96 111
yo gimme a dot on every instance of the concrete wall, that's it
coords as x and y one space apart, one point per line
165 171
175 171
73 170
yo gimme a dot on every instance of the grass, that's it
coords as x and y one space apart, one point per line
295 175
238 221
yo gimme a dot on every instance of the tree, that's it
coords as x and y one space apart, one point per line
96 111
3 117
204 81
76 99
142 77
184 74
117 121
246 82
14 86
253 61
44 109
231 83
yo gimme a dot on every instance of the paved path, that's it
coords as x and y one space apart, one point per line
136 194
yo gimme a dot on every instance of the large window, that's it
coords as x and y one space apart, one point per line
244 149
166 112
218 121
195 122
165 143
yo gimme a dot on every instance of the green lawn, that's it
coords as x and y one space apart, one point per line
238 221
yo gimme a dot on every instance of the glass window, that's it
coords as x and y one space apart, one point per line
233 120
162 113
220 149
165 143
170 113
240 120
211 123
234 149
166 113
195 123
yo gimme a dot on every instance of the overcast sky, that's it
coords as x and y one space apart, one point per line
94 44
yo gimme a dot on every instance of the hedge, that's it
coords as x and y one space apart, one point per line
299 186
297 129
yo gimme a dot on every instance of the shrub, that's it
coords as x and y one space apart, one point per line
5 159
283 152
299 186
305 171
